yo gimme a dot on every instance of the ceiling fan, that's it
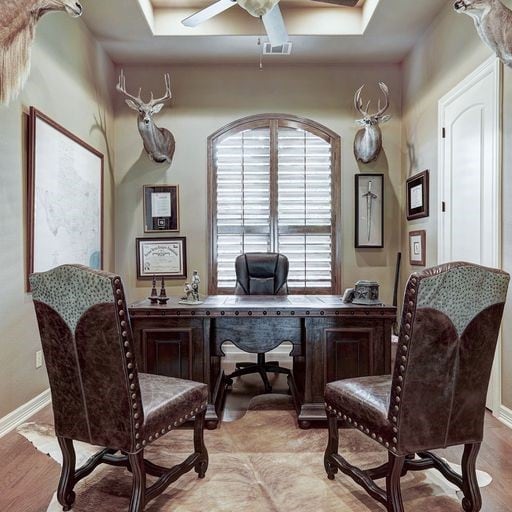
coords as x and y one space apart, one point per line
267 10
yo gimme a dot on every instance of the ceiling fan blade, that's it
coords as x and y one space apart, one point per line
347 3
209 12
275 27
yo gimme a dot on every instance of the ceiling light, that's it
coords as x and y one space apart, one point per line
258 8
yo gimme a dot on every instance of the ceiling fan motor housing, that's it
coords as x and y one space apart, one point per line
258 8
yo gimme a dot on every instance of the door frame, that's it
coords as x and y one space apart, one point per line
491 66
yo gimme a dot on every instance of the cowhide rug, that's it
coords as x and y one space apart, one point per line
259 463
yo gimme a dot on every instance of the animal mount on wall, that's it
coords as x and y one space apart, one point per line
493 21
159 143
368 142
18 20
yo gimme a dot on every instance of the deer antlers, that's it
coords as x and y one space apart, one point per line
358 102
121 87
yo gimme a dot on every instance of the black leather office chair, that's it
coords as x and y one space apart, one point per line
261 274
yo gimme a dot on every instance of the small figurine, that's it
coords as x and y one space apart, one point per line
195 286
162 299
190 293
154 294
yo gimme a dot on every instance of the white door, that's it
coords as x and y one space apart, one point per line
469 178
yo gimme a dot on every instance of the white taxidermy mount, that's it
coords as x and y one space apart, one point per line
159 143
493 21
18 20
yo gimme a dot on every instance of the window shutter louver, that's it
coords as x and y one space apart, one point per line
242 164
305 208
273 190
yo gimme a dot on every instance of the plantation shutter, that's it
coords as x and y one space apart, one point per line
305 208
242 163
273 188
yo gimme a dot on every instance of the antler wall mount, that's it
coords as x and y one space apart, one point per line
159 143
368 141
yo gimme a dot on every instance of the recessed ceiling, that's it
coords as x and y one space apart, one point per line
137 32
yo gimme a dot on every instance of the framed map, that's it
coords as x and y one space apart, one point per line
65 198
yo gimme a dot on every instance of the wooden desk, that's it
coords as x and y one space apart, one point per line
331 341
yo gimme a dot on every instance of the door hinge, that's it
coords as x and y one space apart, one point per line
443 207
444 133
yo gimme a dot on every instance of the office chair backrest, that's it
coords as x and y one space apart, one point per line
87 343
450 323
260 273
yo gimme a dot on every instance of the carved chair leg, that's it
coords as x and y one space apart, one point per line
332 446
65 493
137 501
394 492
199 446
472 501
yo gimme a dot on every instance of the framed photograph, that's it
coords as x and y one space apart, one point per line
162 257
369 217
161 208
418 196
417 248
65 197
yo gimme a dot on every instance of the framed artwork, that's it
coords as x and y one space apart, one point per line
161 208
162 257
369 217
418 196
417 248
65 197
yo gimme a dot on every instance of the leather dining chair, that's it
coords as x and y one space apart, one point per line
436 396
98 394
259 273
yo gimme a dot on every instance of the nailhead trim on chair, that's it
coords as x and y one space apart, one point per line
398 378
155 436
131 375
365 430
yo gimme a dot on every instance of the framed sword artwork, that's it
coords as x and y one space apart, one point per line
369 213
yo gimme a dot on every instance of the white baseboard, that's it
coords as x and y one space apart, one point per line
234 354
23 413
505 416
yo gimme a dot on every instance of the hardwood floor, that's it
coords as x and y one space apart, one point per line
28 478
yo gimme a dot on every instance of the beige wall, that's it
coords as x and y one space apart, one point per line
68 82
207 98
444 56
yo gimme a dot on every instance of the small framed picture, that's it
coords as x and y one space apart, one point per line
369 203
418 196
162 257
417 248
161 208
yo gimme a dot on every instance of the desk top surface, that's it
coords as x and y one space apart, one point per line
228 305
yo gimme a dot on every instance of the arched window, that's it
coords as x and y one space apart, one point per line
274 185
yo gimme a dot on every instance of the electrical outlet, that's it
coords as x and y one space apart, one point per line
39 359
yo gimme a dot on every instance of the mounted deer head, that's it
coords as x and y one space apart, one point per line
159 143
493 22
368 142
18 19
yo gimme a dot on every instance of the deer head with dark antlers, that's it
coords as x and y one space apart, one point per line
368 142
159 143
